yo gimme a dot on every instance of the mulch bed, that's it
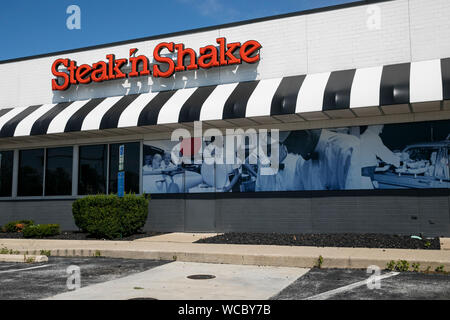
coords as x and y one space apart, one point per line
76 235
326 240
349 240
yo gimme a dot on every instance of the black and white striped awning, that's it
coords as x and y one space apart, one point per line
357 92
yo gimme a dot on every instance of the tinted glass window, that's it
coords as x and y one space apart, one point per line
92 170
31 172
6 168
58 174
131 167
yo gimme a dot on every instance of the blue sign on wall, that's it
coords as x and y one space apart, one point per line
121 157
121 184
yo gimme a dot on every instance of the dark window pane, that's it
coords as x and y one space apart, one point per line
6 169
131 167
31 172
58 176
92 170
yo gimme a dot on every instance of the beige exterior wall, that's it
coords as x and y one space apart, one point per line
408 30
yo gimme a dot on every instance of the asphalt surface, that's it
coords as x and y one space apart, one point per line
404 286
19 282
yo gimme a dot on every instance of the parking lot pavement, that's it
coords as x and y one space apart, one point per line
349 284
42 280
174 281
107 278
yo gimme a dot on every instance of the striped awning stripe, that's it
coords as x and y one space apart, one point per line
385 86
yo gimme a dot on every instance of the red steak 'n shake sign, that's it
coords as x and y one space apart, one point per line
209 57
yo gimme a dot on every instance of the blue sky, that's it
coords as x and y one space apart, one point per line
35 27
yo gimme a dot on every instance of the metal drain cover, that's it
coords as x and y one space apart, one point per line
201 276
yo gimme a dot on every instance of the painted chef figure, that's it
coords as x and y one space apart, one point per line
329 160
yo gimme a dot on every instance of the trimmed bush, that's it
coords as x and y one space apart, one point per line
17 226
110 217
41 231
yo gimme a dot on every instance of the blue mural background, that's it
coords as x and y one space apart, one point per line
392 156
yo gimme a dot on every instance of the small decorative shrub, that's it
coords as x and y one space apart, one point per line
8 251
416 266
41 231
440 268
110 217
391 265
17 226
320 262
402 266
46 253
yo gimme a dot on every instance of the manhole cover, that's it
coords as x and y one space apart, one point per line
201 276
144 298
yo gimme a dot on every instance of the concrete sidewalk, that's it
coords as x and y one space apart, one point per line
445 243
281 256
170 282
179 237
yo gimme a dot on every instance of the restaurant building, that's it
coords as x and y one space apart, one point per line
350 102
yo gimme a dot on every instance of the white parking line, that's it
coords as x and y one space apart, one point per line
329 294
24 269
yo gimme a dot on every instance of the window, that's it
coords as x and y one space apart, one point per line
6 169
131 167
92 169
31 172
58 174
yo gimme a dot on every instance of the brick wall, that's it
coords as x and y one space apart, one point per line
393 214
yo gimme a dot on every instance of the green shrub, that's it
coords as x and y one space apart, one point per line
8 251
46 253
108 216
320 262
17 226
440 268
41 231
402 266
391 265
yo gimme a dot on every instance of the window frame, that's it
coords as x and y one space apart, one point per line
18 172
140 143
46 168
79 170
75 169
11 193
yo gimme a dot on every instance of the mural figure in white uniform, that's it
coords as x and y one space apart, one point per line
329 160
372 147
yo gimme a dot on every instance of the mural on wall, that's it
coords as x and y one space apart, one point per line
393 156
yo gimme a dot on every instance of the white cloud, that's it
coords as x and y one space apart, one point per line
211 8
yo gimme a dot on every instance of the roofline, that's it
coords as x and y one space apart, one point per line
203 29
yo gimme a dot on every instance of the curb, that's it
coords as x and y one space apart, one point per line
298 261
24 258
